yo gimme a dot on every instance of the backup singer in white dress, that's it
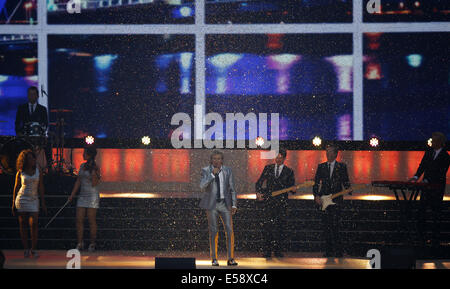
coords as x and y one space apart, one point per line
89 197
27 188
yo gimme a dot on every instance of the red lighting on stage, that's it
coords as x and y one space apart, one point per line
30 65
373 71
374 40
28 5
89 139
275 41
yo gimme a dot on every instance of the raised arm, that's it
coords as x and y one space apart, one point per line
421 168
206 179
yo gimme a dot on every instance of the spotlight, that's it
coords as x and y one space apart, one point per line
417 4
317 141
374 142
429 142
145 140
259 141
89 139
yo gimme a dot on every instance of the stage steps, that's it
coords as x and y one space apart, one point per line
178 224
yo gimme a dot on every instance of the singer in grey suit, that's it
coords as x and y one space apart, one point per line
219 199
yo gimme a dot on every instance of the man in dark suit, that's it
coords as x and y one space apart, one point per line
219 200
332 177
31 112
277 176
434 166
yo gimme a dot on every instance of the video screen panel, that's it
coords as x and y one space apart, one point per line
121 86
406 85
287 11
121 11
306 78
18 71
407 11
18 12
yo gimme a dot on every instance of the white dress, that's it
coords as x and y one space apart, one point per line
27 199
89 196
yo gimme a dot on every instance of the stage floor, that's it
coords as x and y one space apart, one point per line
146 260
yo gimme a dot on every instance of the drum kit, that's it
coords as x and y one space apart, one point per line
34 136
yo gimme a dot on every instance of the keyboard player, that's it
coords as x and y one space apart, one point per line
433 167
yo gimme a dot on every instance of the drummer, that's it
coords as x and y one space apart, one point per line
31 112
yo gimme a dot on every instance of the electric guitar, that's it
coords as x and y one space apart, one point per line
293 188
327 200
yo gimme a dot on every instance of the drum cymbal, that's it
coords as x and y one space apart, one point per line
59 110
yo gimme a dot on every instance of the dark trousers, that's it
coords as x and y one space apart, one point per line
274 226
331 222
432 200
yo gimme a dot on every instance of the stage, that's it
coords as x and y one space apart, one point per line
56 259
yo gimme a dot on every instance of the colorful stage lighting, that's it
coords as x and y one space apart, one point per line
146 140
259 141
414 60
374 142
317 141
89 140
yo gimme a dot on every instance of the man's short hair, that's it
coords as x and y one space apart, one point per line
216 152
439 136
334 147
34 88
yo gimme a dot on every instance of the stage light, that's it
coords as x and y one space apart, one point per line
414 60
429 142
89 140
103 62
417 4
259 141
317 141
401 5
374 142
185 11
146 140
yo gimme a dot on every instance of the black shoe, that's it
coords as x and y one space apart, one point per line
328 255
338 255
215 262
231 262
267 255
279 255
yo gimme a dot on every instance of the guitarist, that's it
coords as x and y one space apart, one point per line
277 176
333 178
